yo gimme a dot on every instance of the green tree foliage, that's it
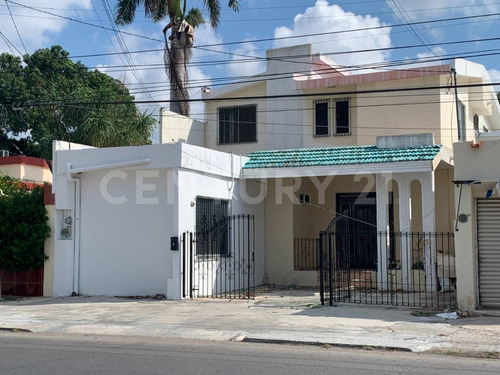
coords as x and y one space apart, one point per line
23 226
49 76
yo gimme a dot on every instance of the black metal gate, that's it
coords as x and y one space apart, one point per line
219 259
418 270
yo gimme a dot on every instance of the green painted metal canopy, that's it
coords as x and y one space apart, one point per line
324 156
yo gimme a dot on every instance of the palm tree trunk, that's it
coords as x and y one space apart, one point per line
176 59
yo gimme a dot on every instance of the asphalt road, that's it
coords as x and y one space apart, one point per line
26 353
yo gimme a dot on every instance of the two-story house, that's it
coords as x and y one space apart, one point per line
367 151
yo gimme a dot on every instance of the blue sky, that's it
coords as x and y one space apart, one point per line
212 60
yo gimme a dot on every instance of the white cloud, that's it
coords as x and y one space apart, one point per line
435 52
244 62
326 18
36 28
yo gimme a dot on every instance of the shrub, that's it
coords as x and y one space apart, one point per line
23 225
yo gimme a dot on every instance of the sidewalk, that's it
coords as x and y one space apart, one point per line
278 315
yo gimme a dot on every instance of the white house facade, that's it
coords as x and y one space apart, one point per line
121 214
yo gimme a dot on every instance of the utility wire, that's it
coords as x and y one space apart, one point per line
9 44
266 39
250 58
224 81
256 97
15 26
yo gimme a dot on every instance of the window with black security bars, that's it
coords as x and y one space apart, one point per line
212 235
342 123
321 128
238 124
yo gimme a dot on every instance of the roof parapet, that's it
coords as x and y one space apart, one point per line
406 140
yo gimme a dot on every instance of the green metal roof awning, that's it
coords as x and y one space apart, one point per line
350 159
307 157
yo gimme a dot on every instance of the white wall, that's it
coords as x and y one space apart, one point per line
476 164
129 214
125 248
177 128
285 117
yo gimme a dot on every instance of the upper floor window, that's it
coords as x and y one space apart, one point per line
321 123
341 117
342 123
238 124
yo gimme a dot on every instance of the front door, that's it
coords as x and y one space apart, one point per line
357 233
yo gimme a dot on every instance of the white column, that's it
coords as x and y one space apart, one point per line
429 227
382 230
466 258
405 228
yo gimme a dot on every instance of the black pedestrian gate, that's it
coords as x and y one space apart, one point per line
418 268
218 259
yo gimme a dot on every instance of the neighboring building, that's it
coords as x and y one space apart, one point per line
26 169
31 171
477 236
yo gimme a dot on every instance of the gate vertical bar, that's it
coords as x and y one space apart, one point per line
253 257
330 267
321 271
191 262
184 266
248 258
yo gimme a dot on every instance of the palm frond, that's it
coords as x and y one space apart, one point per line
157 10
125 11
174 10
234 5
194 17
213 7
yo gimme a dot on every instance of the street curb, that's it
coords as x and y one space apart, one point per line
326 344
8 329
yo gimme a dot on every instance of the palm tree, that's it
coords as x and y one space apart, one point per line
178 45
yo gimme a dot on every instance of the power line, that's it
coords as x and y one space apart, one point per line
82 22
223 81
357 97
413 28
264 39
15 26
336 53
260 20
256 97
344 52
10 44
